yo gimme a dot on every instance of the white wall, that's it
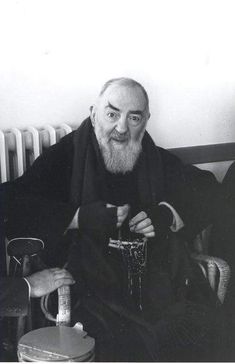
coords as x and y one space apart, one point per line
55 55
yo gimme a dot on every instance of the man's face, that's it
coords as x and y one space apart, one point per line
119 119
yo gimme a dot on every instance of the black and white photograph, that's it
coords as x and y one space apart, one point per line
117 181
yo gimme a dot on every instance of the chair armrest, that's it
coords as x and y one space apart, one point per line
217 271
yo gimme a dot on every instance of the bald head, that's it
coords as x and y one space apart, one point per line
128 82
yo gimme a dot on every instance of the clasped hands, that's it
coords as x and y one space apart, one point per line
139 224
100 216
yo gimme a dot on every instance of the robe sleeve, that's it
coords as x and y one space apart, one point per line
177 223
192 192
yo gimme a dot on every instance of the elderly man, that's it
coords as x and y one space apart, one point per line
110 183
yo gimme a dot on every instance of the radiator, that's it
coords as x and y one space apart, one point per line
20 147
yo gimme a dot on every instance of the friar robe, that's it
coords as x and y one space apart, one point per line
176 305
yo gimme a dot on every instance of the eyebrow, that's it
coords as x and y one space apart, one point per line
138 112
112 107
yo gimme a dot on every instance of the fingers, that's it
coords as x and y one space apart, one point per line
146 229
54 269
63 276
141 224
122 212
47 280
143 228
63 282
148 232
150 235
138 218
108 205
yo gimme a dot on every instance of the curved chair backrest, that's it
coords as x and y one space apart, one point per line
22 252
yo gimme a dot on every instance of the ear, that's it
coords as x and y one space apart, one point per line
147 117
92 114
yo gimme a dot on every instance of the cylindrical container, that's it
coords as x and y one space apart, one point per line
60 343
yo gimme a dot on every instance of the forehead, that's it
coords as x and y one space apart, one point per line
125 98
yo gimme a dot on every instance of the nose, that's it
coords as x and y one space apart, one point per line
122 126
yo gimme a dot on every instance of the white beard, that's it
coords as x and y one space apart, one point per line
118 158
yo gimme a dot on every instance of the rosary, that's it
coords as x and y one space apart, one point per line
134 255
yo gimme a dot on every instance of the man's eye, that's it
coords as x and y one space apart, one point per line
112 115
135 118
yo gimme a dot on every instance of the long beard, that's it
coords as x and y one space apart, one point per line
118 158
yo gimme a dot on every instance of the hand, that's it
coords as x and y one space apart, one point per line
156 220
142 224
48 280
122 212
